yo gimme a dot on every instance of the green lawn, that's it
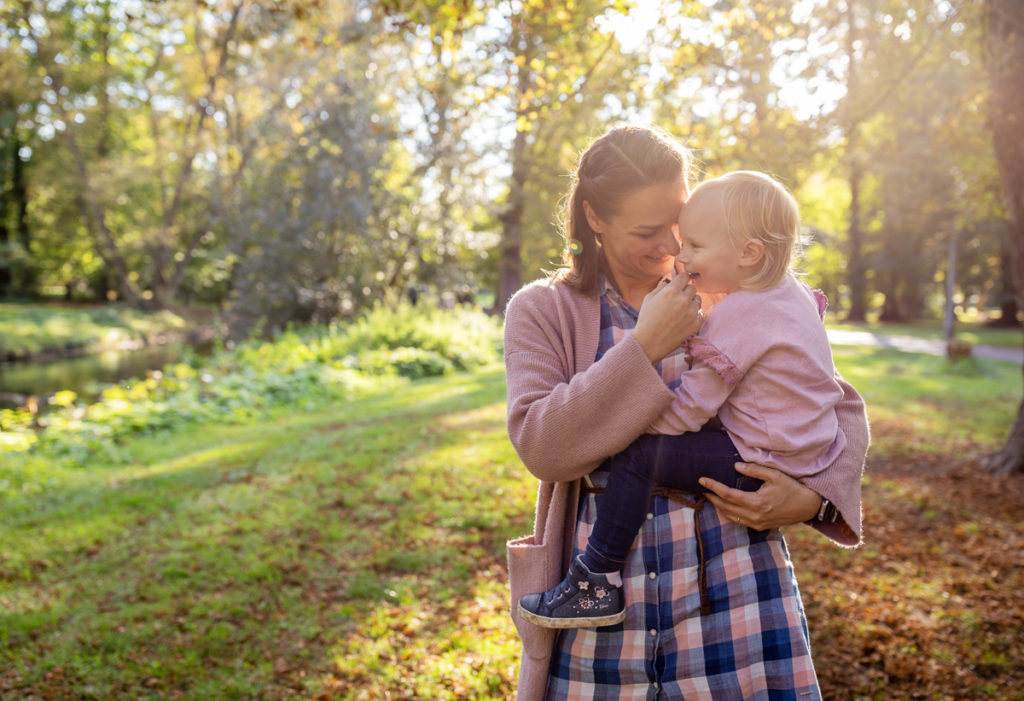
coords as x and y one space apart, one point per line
356 545
924 402
355 549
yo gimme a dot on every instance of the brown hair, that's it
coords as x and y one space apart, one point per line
615 165
758 207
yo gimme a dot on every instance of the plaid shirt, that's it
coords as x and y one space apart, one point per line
752 645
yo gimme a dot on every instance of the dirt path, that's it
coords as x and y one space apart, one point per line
912 344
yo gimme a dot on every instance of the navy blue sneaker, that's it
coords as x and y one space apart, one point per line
582 600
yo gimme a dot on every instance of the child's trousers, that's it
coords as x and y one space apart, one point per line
668 461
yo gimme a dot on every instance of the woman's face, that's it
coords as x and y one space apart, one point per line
640 241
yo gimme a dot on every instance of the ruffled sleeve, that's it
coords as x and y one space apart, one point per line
700 349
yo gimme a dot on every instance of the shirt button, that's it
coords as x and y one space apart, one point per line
653 632
653 575
650 516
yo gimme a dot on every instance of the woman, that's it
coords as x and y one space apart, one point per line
712 606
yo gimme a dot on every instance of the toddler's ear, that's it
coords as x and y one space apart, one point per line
752 253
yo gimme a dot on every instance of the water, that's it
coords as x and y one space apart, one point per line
85 375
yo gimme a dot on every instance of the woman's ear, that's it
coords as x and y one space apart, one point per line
752 253
592 219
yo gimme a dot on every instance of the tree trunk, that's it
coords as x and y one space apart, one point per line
510 260
509 277
5 265
25 278
1006 118
855 259
6 277
855 237
1008 308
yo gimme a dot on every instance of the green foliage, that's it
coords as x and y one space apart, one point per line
29 329
299 369
458 339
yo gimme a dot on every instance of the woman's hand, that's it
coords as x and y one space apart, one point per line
668 316
780 501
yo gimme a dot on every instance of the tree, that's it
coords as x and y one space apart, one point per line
1005 44
138 96
431 64
17 271
562 66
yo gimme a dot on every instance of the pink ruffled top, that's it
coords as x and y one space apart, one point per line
762 363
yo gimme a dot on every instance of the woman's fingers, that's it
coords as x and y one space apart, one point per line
732 504
780 501
668 316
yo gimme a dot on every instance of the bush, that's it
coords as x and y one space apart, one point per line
299 369
412 363
465 337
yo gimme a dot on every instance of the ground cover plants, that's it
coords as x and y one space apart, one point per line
350 544
28 330
297 367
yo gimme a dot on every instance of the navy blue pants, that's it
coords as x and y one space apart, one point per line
668 461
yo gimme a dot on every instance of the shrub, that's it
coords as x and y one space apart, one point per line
299 368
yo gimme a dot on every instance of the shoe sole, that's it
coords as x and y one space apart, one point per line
582 622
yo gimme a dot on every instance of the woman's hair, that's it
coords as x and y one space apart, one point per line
757 207
614 166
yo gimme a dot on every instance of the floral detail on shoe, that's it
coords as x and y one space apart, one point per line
582 600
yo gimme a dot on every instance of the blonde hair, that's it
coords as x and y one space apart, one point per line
615 165
757 207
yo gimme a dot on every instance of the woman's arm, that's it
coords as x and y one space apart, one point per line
564 422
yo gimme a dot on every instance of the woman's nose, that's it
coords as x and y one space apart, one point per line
669 243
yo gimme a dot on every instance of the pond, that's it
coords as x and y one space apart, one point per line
86 375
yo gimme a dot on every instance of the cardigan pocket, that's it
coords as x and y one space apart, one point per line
529 570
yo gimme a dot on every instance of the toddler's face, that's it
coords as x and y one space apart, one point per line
707 251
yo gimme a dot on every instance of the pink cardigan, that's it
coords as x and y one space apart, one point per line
566 414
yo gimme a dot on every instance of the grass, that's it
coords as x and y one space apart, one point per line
926 403
355 550
282 558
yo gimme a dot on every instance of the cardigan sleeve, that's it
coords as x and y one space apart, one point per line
841 482
564 422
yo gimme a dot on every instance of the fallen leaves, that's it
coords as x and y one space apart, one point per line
932 606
